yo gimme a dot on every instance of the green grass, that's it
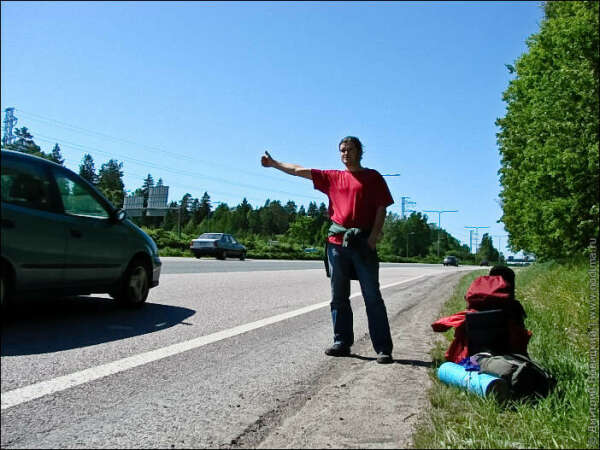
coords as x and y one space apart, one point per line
557 301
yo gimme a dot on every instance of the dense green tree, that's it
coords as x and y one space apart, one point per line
273 218
394 236
292 210
171 217
110 182
312 210
184 207
87 170
412 235
254 222
487 251
422 238
239 219
548 139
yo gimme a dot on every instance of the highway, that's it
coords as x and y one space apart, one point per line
219 346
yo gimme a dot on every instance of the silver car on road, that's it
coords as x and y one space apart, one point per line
220 245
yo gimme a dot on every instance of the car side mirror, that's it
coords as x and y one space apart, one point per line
119 215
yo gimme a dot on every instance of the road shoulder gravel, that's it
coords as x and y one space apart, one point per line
355 402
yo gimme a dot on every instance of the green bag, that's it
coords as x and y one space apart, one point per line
524 376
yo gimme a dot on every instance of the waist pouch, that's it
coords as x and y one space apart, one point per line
353 238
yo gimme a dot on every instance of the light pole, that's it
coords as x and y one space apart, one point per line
500 236
440 223
407 235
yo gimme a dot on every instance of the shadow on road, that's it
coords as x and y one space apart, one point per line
51 325
405 362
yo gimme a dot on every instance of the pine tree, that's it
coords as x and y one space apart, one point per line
204 208
110 182
56 156
87 169
148 183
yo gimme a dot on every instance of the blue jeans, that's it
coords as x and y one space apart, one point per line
365 263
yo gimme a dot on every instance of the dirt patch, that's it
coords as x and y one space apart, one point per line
355 402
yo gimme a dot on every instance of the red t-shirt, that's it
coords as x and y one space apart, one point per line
354 197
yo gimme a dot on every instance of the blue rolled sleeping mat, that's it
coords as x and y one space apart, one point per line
481 384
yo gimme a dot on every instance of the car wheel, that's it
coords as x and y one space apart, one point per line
135 284
221 255
242 256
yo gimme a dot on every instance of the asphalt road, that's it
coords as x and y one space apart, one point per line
220 345
203 265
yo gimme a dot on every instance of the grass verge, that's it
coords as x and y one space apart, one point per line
557 301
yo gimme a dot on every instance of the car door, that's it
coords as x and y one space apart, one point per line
33 230
97 247
230 245
235 246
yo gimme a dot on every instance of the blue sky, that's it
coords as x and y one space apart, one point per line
194 92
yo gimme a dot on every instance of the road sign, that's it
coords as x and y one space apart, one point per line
157 201
134 205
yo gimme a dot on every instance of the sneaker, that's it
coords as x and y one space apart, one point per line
338 349
384 358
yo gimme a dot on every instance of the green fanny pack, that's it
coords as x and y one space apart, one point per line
350 234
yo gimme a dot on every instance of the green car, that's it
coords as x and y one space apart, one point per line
61 236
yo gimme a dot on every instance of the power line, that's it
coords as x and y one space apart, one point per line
137 144
151 165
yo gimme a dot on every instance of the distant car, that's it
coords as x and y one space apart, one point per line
220 245
450 261
60 235
484 263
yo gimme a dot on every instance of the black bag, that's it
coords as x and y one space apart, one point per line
524 376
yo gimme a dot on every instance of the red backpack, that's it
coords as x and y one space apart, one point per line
488 292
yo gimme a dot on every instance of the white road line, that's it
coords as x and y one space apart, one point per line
37 390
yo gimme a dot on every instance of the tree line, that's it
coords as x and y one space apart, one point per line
288 228
549 137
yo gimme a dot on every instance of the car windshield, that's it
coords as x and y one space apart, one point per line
210 236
